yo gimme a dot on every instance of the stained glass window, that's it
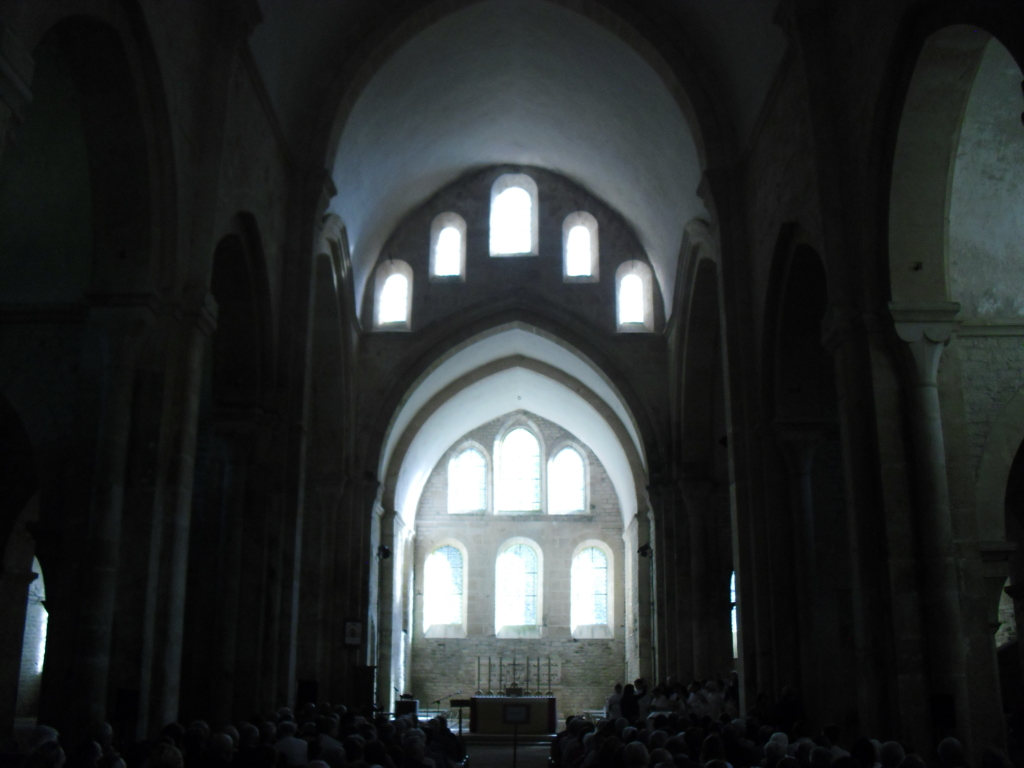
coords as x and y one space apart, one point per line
512 222
442 587
589 587
467 482
518 472
516 590
566 483
394 300
448 252
578 252
631 299
735 618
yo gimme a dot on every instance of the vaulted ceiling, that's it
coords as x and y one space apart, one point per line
516 81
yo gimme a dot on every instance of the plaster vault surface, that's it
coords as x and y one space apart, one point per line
523 82
502 392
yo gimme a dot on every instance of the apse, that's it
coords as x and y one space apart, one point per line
522 82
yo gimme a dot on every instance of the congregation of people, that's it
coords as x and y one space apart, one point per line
319 737
671 725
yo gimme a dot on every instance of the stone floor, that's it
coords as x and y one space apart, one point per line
487 756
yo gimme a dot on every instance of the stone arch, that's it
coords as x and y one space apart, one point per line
682 76
942 68
445 340
242 361
100 69
1001 448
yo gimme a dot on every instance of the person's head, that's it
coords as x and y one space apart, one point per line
913 760
832 732
629 690
164 755
774 751
712 748
821 757
716 764
635 755
285 729
248 736
659 756
42 734
656 740
951 753
173 731
629 733
891 754
232 732
992 757
618 687
220 748
802 753
863 752
49 754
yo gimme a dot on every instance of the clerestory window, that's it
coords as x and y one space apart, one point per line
589 589
634 297
580 246
567 483
518 472
393 299
517 588
514 224
448 247
443 583
467 482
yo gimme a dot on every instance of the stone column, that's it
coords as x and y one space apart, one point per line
674 618
165 605
798 439
121 323
696 492
645 596
925 330
16 69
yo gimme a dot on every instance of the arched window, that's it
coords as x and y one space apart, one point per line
448 247
634 297
467 482
589 588
567 483
514 226
735 617
580 247
518 486
442 587
393 296
517 587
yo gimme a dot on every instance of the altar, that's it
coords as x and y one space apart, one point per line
503 714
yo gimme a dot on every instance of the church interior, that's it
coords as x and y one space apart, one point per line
352 349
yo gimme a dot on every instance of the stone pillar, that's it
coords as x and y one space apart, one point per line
16 68
165 603
798 439
674 617
646 657
240 436
121 323
696 493
926 330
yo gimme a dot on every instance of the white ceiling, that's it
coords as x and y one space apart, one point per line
515 81
500 394
515 339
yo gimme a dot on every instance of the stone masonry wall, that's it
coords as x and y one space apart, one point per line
582 670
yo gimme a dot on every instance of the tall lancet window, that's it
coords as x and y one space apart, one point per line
567 483
589 588
634 297
443 587
514 226
393 296
467 482
580 246
448 247
517 587
735 617
518 486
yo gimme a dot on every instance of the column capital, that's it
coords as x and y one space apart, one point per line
926 328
